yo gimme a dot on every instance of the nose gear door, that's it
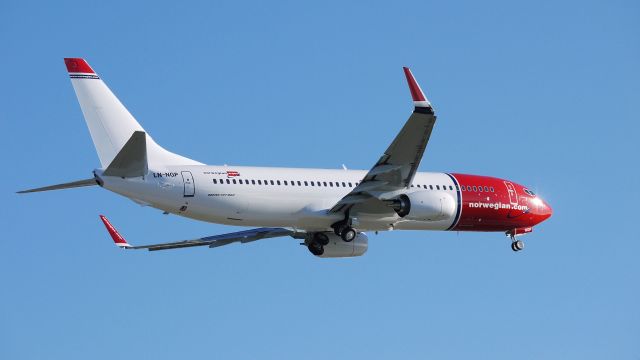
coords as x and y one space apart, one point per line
189 186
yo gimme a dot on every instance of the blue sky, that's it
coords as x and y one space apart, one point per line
542 93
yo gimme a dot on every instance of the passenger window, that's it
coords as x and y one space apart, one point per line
312 183
234 181
266 182
475 189
331 183
228 182
285 182
259 182
463 188
299 183
253 182
431 187
240 181
350 185
215 181
450 187
324 183
278 182
305 184
486 188
344 184
438 187
272 183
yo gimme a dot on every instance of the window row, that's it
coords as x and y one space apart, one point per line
312 183
478 188
431 187
285 182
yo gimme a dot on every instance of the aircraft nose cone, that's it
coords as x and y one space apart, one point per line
545 210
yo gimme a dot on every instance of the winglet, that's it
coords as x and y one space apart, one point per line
419 100
78 65
115 235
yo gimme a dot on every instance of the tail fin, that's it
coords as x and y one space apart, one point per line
110 123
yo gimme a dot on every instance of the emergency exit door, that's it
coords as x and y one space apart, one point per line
189 186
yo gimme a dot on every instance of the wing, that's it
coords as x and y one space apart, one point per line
210 241
398 165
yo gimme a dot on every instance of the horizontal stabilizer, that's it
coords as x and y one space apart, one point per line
69 185
131 161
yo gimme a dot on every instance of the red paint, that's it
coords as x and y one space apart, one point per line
78 65
416 93
507 208
117 238
232 173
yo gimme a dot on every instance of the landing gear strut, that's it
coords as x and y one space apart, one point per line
344 230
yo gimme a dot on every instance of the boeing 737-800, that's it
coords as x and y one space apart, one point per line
329 210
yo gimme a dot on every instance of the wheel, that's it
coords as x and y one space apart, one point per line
519 245
348 234
321 238
316 249
338 229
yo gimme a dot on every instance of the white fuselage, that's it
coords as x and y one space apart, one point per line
260 196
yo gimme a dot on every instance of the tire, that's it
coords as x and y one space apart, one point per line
321 238
513 246
348 234
316 249
519 245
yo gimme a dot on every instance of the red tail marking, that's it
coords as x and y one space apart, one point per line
78 65
117 238
416 93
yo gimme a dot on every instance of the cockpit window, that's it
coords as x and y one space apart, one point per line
529 192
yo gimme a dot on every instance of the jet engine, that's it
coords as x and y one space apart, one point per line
424 205
332 245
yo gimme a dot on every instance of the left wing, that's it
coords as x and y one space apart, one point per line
210 241
398 164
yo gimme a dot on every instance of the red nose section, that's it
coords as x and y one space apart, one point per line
547 211
78 65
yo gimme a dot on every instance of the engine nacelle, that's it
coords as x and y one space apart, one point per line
425 205
337 247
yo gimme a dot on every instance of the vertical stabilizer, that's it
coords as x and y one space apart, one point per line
110 123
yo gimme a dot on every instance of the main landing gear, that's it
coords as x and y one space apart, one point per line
344 229
317 243
346 232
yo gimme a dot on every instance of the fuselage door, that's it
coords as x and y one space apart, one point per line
189 186
513 196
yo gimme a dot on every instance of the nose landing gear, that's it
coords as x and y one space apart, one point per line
517 245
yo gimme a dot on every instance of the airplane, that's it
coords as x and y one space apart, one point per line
328 210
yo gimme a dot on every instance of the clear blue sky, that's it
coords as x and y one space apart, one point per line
543 93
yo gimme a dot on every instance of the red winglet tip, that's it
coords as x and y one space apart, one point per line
115 235
416 92
78 65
